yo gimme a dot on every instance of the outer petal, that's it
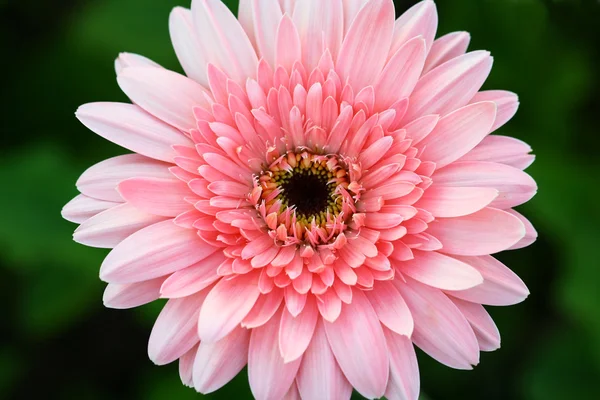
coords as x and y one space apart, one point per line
82 207
440 329
449 86
131 295
157 196
267 14
530 232
100 180
226 44
500 287
164 94
193 278
485 232
269 376
447 202
187 45
174 332
419 20
154 251
295 333
404 371
218 363
112 226
227 305
501 149
483 325
507 103
445 48
186 363
391 308
125 60
364 50
440 271
458 132
319 375
357 341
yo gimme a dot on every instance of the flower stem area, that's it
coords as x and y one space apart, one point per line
59 341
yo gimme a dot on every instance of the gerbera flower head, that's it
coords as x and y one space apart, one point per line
318 194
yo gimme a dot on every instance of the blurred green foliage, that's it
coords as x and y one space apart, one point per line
56 337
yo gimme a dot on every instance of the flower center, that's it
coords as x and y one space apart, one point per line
304 196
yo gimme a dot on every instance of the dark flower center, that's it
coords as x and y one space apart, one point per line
308 191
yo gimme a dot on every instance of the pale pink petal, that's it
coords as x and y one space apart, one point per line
129 295
218 363
507 103
125 60
515 187
110 227
264 308
82 208
186 363
419 20
156 196
440 271
445 48
357 328
293 393
167 95
401 73
449 86
154 251
501 149
364 49
194 278
530 232
487 231
391 308
446 202
226 44
351 9
483 325
440 328
458 132
269 376
295 333
500 287
320 26
319 375
188 46
100 180
267 14
174 332
246 19
404 383
288 48
226 306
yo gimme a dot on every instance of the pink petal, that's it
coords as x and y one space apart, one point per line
330 305
292 393
449 86
154 251
404 381
500 287
391 308
112 226
458 132
288 47
295 333
319 375
226 306
320 26
269 376
487 231
447 202
264 308
100 180
267 14
530 232
440 271
445 48
357 341
351 9
187 45
156 196
483 325
166 95
174 332
400 75
501 149
194 278
515 187
507 103
129 295
225 43
125 60
186 363
419 20
440 328
82 208
365 47
218 363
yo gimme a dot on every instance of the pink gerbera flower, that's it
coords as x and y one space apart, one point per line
320 193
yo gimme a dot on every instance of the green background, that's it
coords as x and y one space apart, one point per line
57 340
